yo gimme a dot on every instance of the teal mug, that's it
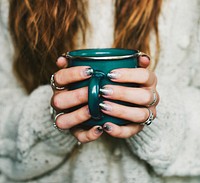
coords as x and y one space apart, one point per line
102 61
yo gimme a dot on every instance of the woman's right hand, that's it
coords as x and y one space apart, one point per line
65 99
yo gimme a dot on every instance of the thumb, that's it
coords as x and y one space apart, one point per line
62 62
144 61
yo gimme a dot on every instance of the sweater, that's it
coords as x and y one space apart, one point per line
167 151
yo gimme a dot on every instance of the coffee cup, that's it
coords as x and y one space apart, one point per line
102 61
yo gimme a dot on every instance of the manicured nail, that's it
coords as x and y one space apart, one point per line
98 130
105 107
88 72
113 75
107 127
145 55
106 91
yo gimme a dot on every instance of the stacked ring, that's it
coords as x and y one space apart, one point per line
150 118
154 99
53 85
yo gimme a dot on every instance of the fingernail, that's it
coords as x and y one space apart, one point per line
105 107
107 127
106 91
98 130
88 72
145 55
62 61
113 75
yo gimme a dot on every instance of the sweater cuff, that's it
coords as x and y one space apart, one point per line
36 124
159 143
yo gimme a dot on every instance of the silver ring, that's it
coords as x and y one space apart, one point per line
54 124
154 98
53 85
150 118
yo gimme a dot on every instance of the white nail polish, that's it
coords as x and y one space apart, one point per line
113 75
88 72
105 107
106 91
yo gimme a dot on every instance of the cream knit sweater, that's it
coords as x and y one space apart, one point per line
168 151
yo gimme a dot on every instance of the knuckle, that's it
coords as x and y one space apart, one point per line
59 122
147 97
81 95
79 137
56 101
84 136
144 114
81 115
58 77
89 137
129 134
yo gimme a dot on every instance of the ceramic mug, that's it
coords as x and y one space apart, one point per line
102 61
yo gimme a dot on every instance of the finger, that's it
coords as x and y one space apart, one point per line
73 74
62 62
122 131
85 136
69 120
136 75
132 114
67 99
144 61
140 96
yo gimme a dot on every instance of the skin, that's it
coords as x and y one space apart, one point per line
142 96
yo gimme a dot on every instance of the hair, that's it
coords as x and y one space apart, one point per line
42 30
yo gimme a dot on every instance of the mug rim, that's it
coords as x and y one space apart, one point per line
84 54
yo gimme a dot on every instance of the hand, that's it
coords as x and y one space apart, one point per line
64 99
142 96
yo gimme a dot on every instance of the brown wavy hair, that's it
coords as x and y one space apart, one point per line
44 29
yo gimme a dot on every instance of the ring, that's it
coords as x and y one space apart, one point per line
154 98
54 116
150 118
53 85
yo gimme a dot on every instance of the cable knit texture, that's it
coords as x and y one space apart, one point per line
167 151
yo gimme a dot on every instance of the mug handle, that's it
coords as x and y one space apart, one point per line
93 94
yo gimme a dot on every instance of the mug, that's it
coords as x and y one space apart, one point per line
102 61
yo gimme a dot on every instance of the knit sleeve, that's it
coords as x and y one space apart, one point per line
29 145
171 145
